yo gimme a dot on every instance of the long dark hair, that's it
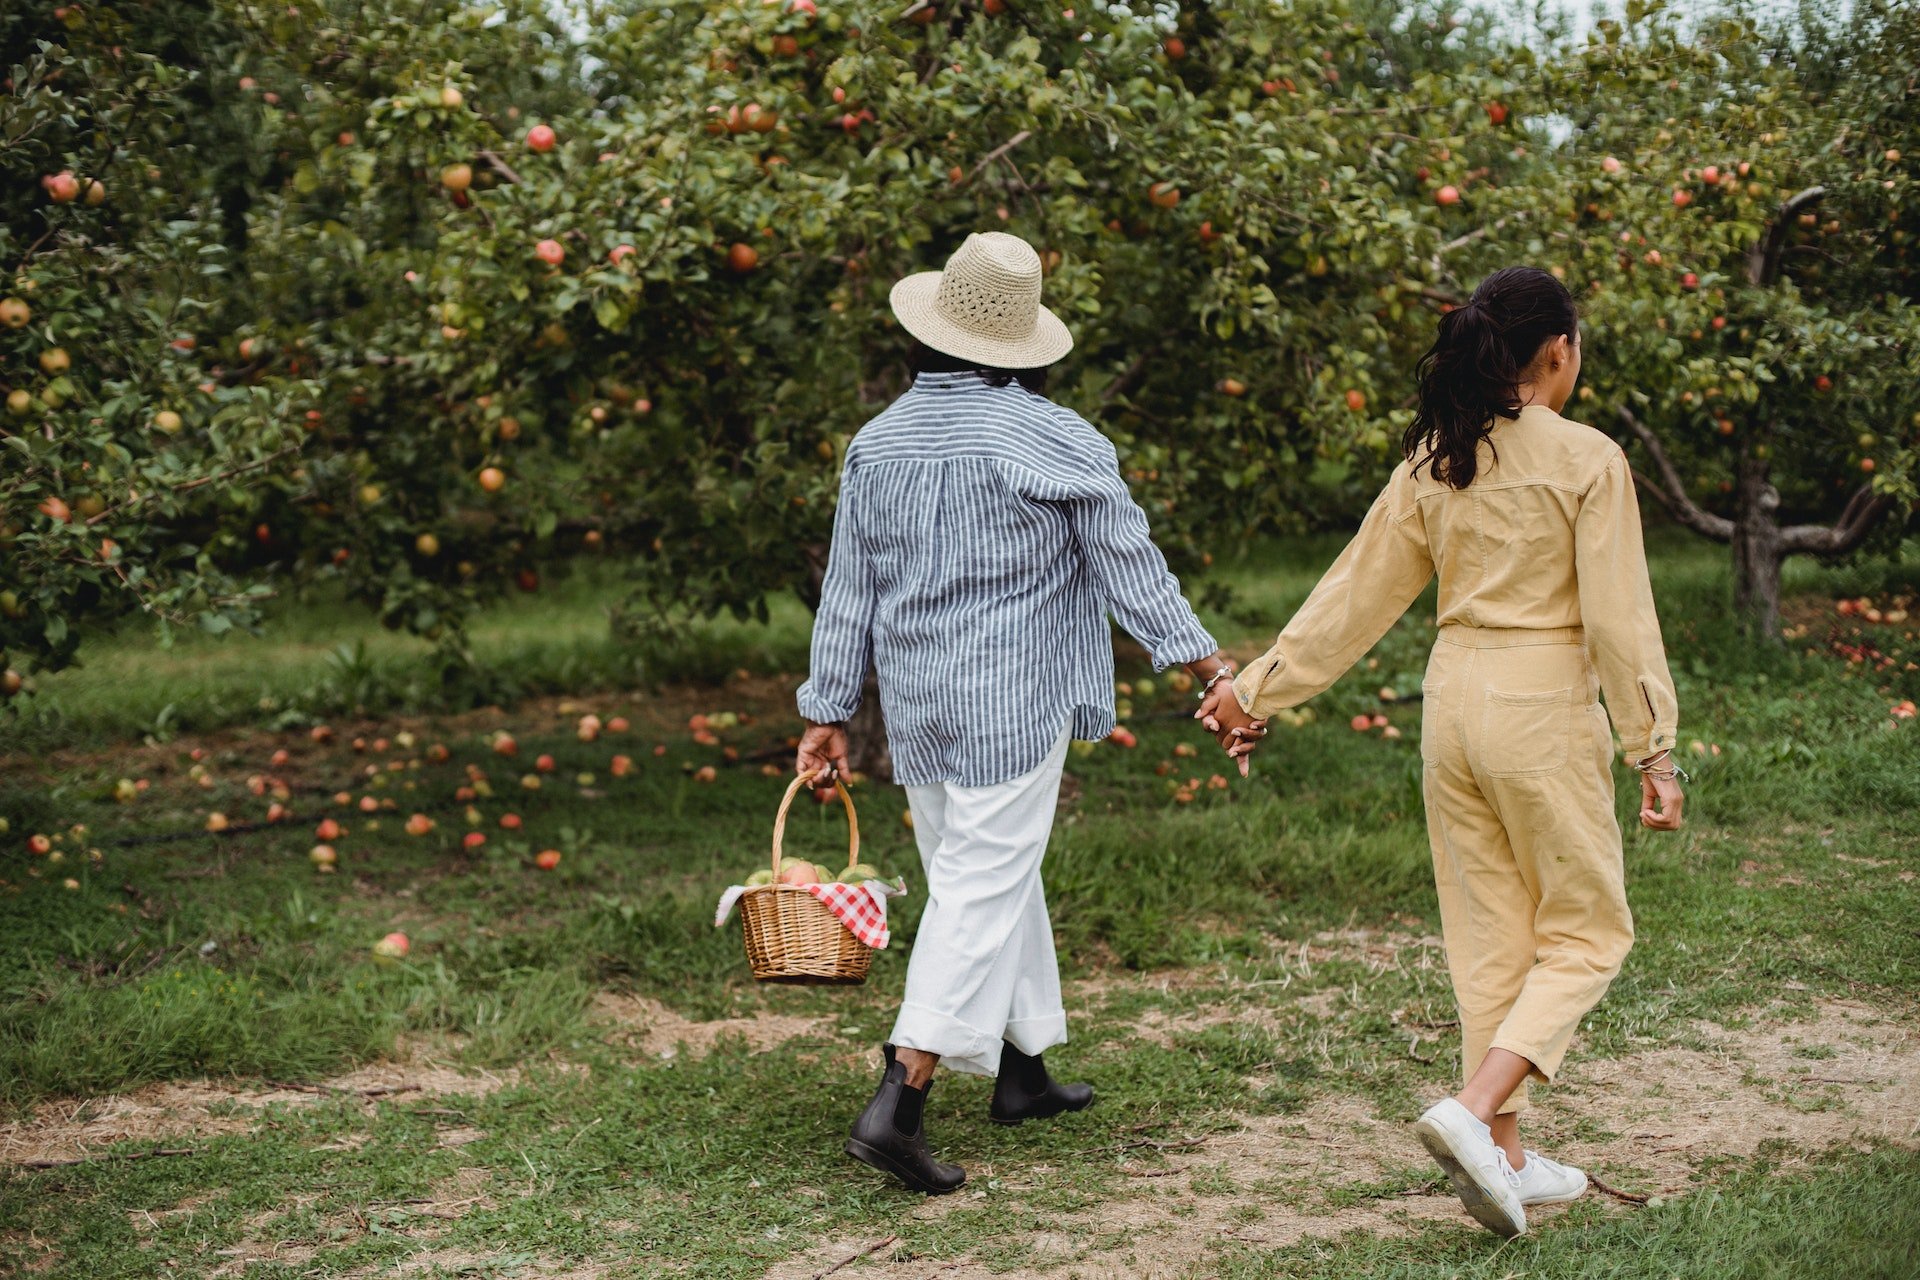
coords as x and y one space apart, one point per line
1471 374
924 359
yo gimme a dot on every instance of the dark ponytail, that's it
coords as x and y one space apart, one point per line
1471 374
924 359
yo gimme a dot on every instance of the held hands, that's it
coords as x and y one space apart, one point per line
823 750
1237 731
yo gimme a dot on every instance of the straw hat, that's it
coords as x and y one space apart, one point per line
985 306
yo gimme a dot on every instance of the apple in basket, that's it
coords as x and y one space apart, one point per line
764 876
794 871
860 873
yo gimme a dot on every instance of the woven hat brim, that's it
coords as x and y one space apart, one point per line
914 302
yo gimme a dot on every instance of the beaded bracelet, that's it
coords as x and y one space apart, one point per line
1224 671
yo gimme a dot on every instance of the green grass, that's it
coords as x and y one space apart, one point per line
178 955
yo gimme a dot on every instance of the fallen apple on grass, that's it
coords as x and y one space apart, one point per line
547 859
394 946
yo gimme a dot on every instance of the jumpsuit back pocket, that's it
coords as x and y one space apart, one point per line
1524 735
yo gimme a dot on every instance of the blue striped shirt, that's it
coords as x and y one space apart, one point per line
982 536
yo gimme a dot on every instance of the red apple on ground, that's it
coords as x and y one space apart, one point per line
38 844
621 766
503 744
393 947
473 840
419 824
323 856
547 859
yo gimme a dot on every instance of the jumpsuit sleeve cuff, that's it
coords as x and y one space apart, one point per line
1248 684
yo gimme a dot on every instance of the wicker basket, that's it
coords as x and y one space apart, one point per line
791 936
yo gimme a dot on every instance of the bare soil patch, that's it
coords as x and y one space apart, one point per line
1649 1122
180 1113
655 1031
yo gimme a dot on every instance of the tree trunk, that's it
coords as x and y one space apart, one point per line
1758 549
867 748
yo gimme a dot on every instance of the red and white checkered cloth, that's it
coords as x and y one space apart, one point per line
861 907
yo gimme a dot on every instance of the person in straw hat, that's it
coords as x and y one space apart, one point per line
983 535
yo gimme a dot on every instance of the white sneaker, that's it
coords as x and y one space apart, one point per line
1544 1181
1478 1169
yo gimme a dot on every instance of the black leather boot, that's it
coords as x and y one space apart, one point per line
1025 1091
890 1136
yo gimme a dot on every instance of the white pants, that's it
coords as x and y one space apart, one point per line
983 967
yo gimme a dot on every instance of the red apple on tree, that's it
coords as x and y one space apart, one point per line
541 138
1448 194
550 252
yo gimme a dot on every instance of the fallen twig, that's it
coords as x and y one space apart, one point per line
1147 1143
1155 1173
110 1155
852 1258
1631 1197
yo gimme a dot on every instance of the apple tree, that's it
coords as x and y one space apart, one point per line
129 439
1724 204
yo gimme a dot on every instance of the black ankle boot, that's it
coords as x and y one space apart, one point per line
1025 1091
890 1136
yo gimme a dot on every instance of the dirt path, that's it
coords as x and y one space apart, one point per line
1851 1074
1647 1122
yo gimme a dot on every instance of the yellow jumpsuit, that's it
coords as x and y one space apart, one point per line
1544 602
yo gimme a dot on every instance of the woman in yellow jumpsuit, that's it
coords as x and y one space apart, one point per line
1530 522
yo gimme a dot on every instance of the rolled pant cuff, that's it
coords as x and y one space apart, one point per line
963 1048
1034 1036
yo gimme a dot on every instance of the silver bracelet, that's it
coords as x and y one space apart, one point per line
1225 671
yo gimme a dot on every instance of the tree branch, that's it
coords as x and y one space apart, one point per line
999 151
190 485
1863 512
1672 491
1763 261
499 166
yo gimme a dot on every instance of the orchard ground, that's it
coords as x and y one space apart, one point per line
205 1072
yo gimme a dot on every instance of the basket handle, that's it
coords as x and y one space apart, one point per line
786 802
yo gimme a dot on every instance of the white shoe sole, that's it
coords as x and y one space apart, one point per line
1484 1202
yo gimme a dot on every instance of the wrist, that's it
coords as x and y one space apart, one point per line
1207 668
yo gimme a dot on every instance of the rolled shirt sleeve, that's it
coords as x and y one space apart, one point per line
1372 583
1140 590
1616 608
843 625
